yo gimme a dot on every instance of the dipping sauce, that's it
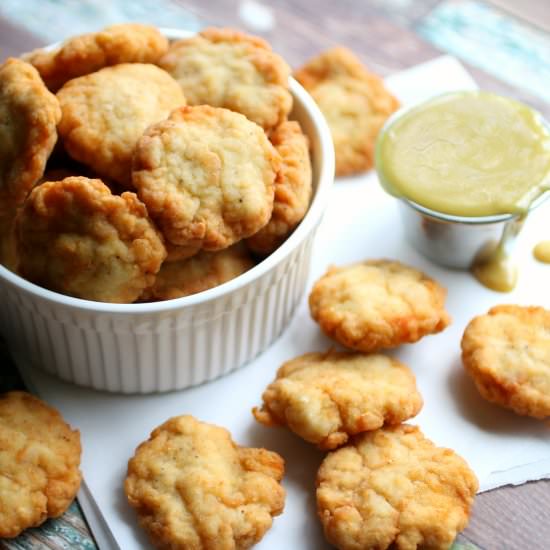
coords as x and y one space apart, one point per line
467 154
542 252
470 155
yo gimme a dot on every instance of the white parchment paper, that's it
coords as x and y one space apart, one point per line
361 222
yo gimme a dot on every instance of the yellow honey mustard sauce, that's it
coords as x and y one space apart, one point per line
542 252
472 155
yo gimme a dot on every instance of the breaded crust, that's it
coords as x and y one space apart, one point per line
393 488
327 397
354 101
207 176
292 188
227 68
194 489
200 272
87 53
29 114
507 353
377 304
76 238
106 112
39 461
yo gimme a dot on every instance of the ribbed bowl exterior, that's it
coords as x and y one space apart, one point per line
145 348
159 351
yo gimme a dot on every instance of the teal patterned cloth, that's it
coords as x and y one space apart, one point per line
487 38
55 20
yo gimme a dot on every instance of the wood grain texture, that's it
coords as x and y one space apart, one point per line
381 33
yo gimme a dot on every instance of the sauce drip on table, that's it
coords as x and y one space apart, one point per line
542 252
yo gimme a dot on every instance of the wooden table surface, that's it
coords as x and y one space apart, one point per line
383 35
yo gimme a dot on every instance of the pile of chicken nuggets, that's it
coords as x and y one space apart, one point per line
127 157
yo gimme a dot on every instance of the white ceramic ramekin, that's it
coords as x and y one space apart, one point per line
162 346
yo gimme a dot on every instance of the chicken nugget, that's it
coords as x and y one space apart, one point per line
106 112
39 463
292 188
377 304
354 101
76 238
507 353
194 489
87 53
393 488
327 397
207 176
200 272
227 68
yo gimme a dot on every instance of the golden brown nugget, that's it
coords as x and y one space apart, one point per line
87 53
198 273
194 489
76 238
227 68
327 397
105 113
393 488
354 101
377 304
39 461
292 188
29 114
206 175
507 353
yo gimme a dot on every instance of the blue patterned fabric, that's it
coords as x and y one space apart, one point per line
56 20
489 39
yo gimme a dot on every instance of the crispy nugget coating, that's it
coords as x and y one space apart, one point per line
29 114
292 188
105 113
76 238
507 353
194 489
87 53
198 273
227 68
207 176
393 488
377 304
326 397
39 460
355 103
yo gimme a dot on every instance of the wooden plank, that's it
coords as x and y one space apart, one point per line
534 12
15 40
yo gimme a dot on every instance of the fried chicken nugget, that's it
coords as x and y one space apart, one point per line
29 114
207 176
194 489
39 461
507 353
377 304
76 238
227 68
327 397
198 273
393 488
292 188
105 113
354 101
87 53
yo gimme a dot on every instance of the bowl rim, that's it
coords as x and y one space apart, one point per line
309 222
443 216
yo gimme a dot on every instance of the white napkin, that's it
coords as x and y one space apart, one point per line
361 222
